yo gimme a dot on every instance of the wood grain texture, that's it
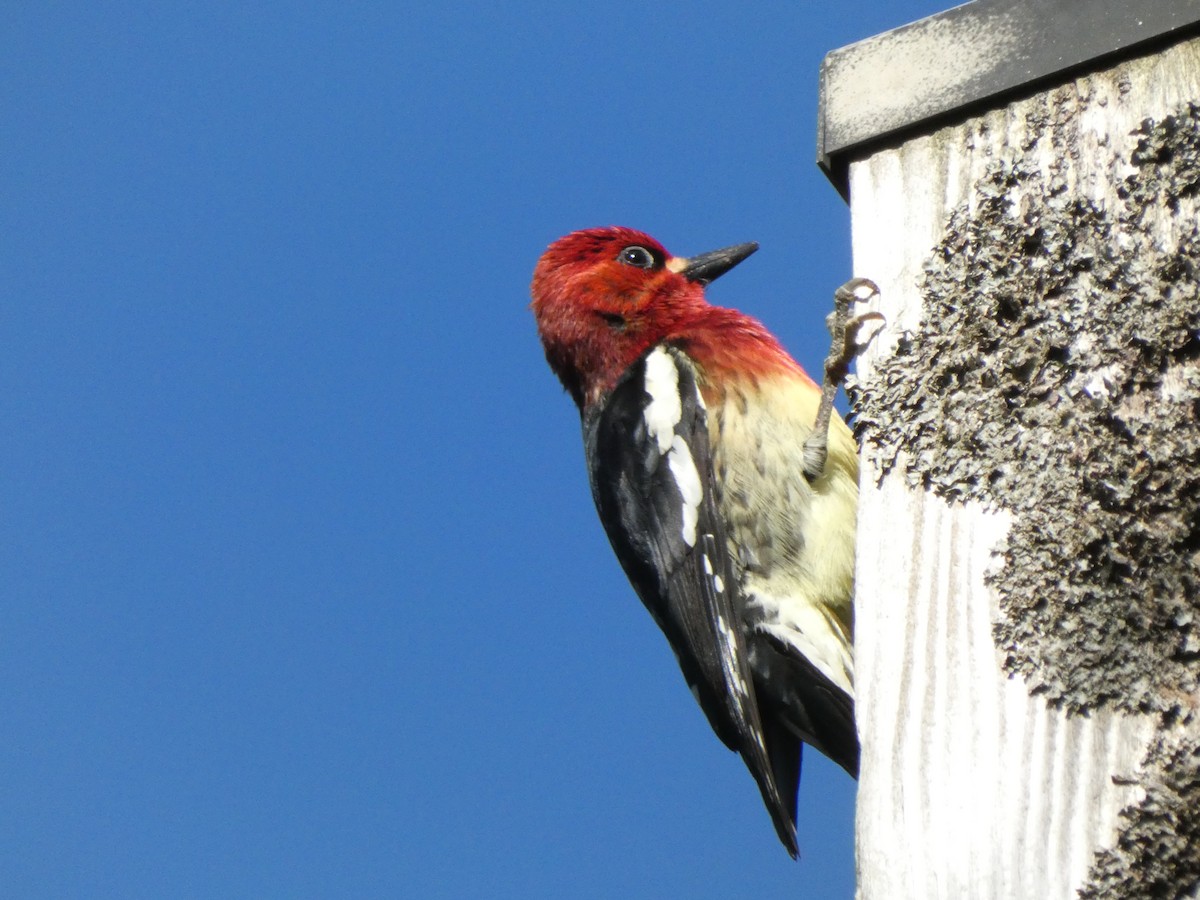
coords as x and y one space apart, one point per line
971 785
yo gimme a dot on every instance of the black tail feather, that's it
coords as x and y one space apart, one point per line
819 712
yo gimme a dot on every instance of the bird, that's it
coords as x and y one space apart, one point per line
728 504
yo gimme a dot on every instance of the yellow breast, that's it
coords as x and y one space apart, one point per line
793 539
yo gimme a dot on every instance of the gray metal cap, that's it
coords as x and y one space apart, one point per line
972 56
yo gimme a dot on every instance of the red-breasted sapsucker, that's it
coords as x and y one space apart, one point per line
695 424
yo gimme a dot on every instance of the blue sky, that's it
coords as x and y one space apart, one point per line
302 589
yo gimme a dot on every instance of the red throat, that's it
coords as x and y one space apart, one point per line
731 345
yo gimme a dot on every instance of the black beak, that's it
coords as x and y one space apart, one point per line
709 266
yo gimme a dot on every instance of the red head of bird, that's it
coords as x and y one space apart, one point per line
604 296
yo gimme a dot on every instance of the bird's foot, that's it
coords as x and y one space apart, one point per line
844 329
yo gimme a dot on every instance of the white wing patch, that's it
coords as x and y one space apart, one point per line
665 408
662 414
683 467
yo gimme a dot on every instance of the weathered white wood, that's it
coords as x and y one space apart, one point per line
971 787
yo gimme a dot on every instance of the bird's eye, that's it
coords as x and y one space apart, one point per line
637 256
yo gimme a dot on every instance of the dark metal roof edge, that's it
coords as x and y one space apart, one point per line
940 69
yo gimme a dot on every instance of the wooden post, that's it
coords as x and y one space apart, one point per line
1024 181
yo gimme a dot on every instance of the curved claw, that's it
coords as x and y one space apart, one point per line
854 327
850 292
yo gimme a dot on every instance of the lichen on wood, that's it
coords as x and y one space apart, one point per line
1157 853
1056 374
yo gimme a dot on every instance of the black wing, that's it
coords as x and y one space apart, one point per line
652 478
